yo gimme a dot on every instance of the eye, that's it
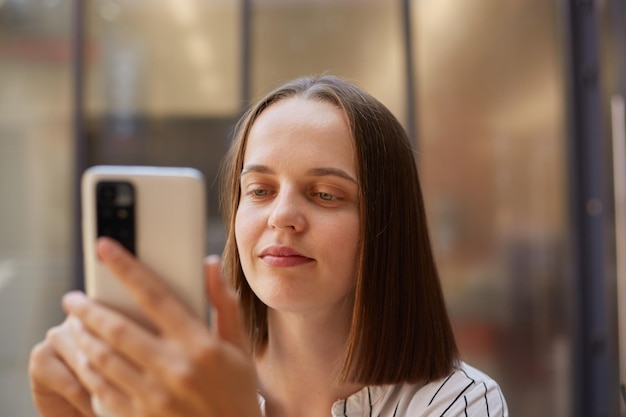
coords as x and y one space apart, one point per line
326 196
256 190
259 193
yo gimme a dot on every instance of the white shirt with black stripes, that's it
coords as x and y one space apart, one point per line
467 392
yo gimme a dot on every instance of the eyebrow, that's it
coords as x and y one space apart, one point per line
315 172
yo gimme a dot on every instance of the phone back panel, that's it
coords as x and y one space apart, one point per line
170 218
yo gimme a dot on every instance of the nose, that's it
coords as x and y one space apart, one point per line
287 212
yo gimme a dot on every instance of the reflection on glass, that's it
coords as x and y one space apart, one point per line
35 184
492 159
163 83
164 59
358 40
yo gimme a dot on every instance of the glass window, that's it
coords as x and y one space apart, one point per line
493 164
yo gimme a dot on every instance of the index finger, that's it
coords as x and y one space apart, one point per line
154 297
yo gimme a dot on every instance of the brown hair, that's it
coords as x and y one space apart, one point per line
400 328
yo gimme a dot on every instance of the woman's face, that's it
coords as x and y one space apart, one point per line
297 224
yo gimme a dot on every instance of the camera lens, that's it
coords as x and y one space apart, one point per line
124 195
105 213
107 193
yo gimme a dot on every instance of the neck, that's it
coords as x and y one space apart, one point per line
299 369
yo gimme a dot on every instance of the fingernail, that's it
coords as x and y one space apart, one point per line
107 248
73 299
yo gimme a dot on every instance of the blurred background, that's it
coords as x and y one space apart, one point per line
516 108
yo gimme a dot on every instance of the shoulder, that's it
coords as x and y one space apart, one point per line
465 392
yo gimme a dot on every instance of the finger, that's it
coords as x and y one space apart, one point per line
168 313
108 394
128 338
119 380
153 356
105 360
228 324
52 378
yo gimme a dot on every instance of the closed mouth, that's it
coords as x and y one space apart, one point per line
283 256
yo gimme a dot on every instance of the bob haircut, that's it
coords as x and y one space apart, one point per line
400 330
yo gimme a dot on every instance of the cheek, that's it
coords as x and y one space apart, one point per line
342 240
242 229
247 226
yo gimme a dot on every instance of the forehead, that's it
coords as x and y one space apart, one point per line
298 111
298 125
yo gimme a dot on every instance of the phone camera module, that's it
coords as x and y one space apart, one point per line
116 212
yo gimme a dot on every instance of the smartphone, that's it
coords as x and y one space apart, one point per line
159 215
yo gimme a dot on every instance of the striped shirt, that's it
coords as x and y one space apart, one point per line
467 392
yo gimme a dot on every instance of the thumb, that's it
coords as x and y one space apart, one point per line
226 315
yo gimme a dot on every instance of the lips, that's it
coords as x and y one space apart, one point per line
283 256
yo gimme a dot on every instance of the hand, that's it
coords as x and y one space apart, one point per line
182 370
56 390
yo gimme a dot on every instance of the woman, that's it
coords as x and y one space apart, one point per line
338 308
